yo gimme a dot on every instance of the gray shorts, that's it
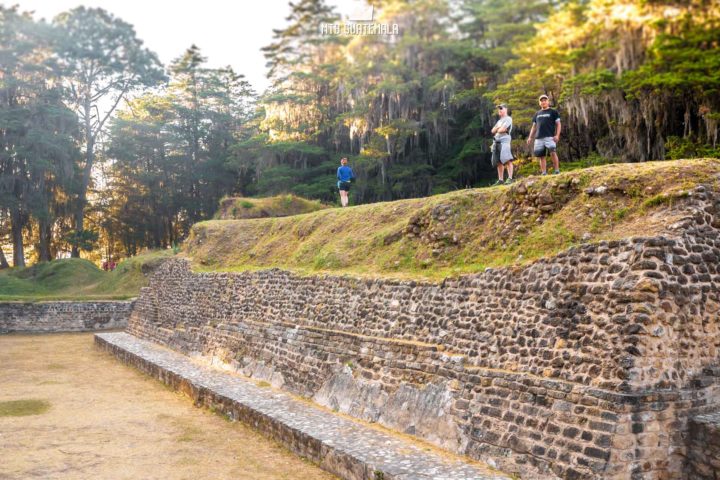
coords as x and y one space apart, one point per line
501 152
543 146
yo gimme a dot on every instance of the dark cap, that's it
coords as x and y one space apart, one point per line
543 96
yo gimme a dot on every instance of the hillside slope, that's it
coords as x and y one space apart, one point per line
237 208
78 279
463 231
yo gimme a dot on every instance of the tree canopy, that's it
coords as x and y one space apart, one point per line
106 151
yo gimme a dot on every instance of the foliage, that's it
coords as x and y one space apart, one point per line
681 61
678 147
93 139
399 109
37 134
233 208
100 59
170 153
628 75
82 240
78 279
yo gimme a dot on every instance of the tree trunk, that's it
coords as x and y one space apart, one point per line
157 233
18 221
171 234
45 239
87 171
3 261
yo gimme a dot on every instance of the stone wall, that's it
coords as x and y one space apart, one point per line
704 450
584 365
67 316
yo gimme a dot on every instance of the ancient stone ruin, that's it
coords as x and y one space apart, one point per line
600 362
63 316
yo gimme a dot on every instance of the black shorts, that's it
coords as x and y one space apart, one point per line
344 186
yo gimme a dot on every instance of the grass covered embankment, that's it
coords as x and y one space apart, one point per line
236 208
463 231
78 279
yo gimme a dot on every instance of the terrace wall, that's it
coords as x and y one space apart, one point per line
585 365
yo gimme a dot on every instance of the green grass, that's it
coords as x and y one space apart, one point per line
23 408
234 208
664 198
526 167
458 232
78 279
621 213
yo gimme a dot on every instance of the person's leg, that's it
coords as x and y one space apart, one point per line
555 160
509 167
501 171
343 198
543 165
540 153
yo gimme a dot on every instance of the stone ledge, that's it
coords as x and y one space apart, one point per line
55 316
712 420
343 447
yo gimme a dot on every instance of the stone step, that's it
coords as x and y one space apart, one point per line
347 448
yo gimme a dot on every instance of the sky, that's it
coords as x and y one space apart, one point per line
228 32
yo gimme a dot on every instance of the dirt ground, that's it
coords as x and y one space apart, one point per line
109 421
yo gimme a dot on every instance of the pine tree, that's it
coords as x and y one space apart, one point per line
36 132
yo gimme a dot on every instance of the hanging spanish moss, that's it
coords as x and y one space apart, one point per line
634 81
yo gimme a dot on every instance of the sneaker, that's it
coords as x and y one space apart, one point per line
556 172
543 173
508 181
499 182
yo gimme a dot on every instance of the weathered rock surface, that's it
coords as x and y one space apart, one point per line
63 316
704 449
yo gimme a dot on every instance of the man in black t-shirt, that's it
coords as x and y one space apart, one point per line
546 132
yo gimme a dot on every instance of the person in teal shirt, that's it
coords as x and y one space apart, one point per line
345 175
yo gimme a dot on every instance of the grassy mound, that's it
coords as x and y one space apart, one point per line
235 208
78 279
463 231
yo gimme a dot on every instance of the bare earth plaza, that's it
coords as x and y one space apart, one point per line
430 240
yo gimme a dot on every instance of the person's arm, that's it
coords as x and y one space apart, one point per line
532 133
505 128
501 127
558 129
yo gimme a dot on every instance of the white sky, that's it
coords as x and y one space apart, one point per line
228 32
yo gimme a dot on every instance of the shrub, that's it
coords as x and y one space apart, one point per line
677 148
